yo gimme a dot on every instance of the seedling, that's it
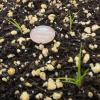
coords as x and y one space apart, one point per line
71 19
15 23
79 78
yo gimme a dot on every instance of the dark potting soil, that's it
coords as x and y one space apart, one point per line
26 55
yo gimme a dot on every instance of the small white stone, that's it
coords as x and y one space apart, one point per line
10 55
20 40
59 66
57 44
10 13
59 84
49 67
24 96
90 94
72 33
96 68
42 34
51 17
13 32
51 85
57 96
39 96
41 46
45 52
47 98
86 58
44 6
90 74
1 40
95 27
54 49
42 75
87 30
70 60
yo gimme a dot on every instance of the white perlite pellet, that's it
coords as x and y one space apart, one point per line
90 94
95 27
57 96
39 96
24 96
87 30
45 52
51 85
86 58
96 68
47 98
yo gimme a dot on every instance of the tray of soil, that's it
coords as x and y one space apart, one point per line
49 49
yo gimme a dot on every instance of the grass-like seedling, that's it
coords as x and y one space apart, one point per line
71 19
79 77
15 23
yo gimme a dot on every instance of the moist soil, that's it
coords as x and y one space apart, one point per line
69 48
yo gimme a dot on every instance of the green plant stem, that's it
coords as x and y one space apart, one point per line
16 24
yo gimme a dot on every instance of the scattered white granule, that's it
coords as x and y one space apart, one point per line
22 79
2 40
90 94
51 85
51 17
59 84
90 74
96 68
24 96
57 44
70 60
41 46
89 14
20 40
13 32
35 72
87 30
47 98
49 67
33 19
43 75
45 52
72 33
24 1
57 96
40 56
59 66
10 55
92 47
54 49
24 29
95 27
4 79
86 58
30 4
1 7
76 60
10 13
11 71
39 96
44 6
17 1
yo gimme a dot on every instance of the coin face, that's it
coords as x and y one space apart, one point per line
42 34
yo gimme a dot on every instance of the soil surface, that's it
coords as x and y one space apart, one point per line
20 56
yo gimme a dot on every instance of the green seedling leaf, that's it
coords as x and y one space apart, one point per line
79 78
16 24
71 19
